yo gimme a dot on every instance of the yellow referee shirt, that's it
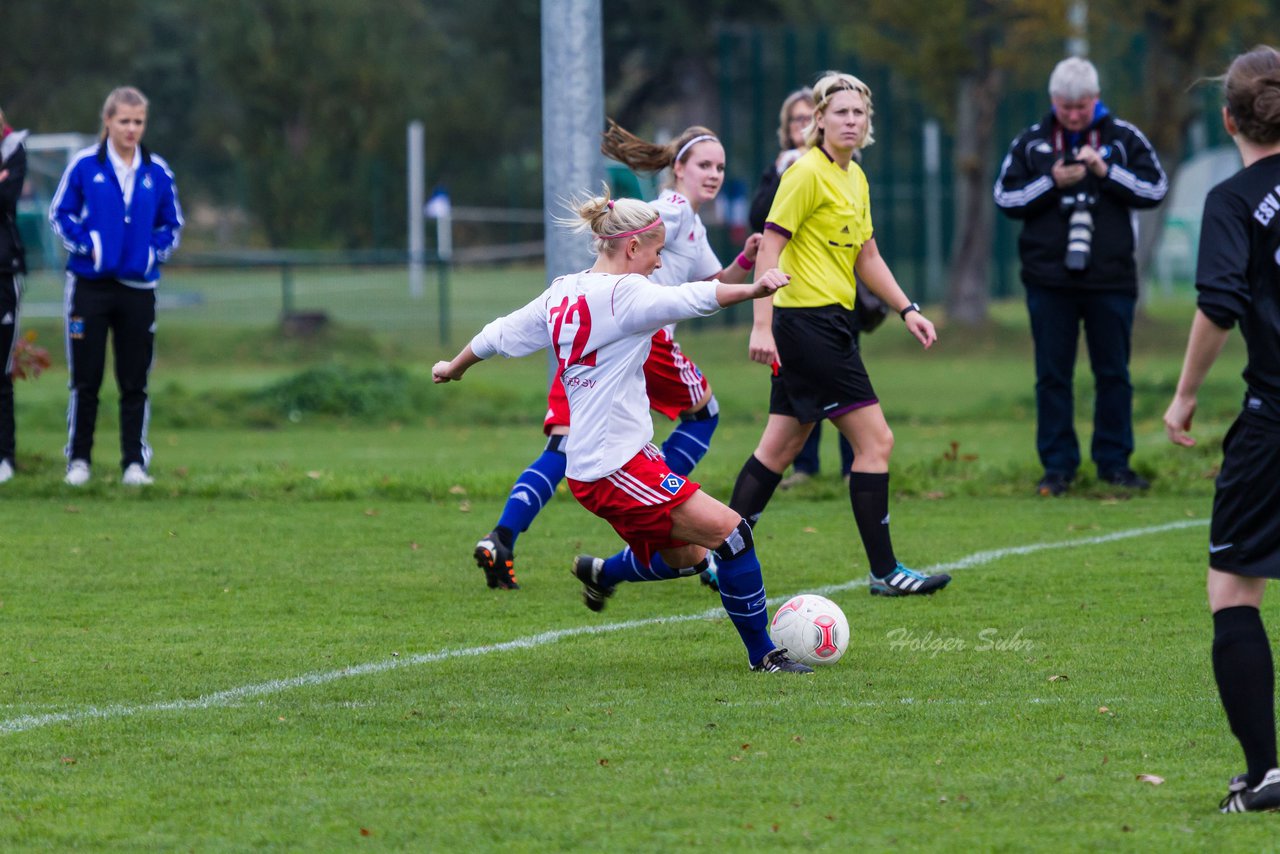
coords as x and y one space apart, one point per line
826 213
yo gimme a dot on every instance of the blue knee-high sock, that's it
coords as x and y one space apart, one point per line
742 593
532 490
625 566
688 444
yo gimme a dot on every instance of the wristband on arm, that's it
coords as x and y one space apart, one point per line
744 262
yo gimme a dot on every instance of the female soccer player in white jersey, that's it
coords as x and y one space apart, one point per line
600 324
677 388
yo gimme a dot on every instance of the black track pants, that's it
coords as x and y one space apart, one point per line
94 307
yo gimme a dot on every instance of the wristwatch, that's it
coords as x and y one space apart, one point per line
910 307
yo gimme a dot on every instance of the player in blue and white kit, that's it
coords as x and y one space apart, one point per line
677 388
600 324
116 210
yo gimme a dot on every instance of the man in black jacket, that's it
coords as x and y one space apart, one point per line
1074 179
13 172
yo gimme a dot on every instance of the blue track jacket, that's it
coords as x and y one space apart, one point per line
106 241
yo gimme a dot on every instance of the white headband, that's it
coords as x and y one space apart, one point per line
690 144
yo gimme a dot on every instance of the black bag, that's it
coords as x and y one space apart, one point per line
868 310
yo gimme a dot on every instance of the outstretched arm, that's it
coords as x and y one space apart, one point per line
764 286
443 372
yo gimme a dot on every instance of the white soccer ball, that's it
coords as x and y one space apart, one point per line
812 628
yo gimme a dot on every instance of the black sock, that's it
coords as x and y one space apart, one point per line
869 495
1246 683
505 535
752 491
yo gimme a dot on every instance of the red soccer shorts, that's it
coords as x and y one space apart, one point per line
637 501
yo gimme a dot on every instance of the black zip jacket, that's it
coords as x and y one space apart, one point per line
13 157
1025 190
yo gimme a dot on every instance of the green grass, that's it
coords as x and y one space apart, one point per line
284 643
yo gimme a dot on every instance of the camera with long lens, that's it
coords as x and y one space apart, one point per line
1079 210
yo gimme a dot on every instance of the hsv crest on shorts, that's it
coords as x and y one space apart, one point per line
672 483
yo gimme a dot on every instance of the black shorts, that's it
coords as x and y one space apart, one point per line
822 375
1244 536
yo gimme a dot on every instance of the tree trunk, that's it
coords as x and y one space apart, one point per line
968 285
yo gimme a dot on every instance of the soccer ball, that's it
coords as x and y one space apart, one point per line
812 628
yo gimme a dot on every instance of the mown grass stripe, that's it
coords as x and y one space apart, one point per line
231 696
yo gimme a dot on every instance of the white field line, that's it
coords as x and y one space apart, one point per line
233 696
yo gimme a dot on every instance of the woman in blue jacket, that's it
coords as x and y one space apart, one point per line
117 213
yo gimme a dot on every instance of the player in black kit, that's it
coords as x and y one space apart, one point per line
1238 279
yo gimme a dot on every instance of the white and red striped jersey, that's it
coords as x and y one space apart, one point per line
600 325
687 255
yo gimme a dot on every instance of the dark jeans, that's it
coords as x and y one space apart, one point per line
807 460
1056 317
8 338
98 307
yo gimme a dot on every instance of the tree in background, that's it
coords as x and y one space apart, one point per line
961 56
1177 45
964 56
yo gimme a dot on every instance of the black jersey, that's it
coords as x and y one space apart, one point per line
1238 271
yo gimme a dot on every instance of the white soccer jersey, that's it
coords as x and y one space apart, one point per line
600 325
687 255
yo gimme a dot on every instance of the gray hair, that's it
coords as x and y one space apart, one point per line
1074 78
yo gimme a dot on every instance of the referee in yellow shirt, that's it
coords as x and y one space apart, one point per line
819 231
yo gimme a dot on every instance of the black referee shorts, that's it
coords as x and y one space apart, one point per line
822 374
1244 536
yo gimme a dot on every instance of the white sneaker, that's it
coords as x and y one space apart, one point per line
77 473
136 475
6 471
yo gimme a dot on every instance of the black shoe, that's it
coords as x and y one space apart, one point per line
1126 478
1263 797
1053 483
497 561
777 661
587 570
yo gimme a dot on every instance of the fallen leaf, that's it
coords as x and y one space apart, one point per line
414 546
1149 778
68 760
464 506
315 474
603 763
371 512
364 831
774 828
746 747
796 738
735 758
457 489
1103 710
809 529
1059 677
